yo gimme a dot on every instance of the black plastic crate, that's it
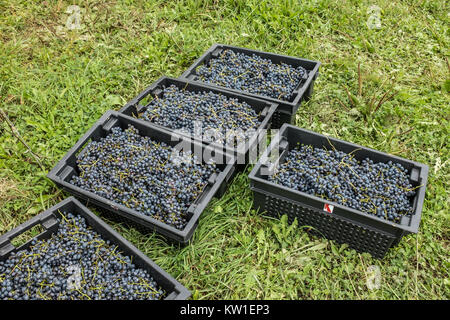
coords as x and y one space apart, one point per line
62 173
48 220
361 231
287 109
242 152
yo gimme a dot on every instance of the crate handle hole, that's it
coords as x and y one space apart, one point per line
27 236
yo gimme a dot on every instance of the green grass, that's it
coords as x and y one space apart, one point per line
55 83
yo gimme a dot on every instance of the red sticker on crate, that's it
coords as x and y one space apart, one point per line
328 208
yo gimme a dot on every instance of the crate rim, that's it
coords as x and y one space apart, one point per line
312 74
187 232
416 217
241 149
180 292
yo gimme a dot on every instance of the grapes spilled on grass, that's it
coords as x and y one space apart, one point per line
253 74
140 173
380 189
75 263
